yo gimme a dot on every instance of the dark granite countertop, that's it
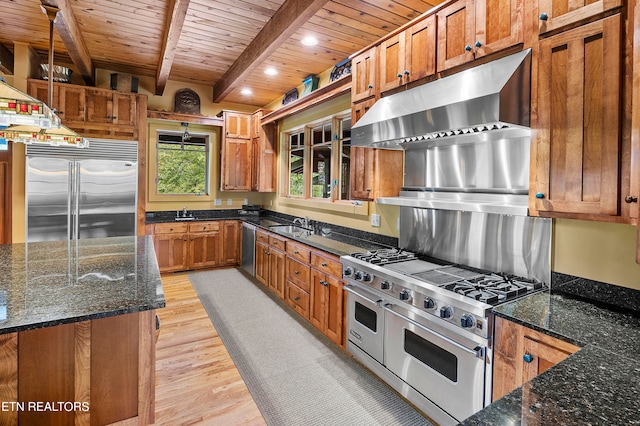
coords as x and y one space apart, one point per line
599 384
50 283
339 241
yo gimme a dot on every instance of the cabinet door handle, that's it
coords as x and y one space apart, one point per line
370 86
323 264
467 48
539 195
296 298
527 358
296 272
478 44
630 199
296 252
399 75
406 72
544 16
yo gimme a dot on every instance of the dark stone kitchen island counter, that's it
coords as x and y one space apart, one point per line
78 330
599 384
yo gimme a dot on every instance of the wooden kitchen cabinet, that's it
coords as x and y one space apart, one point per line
578 134
271 261
408 56
521 353
298 285
92 111
469 29
205 245
231 251
182 246
364 82
171 241
375 173
237 125
263 154
557 14
327 296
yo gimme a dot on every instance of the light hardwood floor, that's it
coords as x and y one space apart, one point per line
196 380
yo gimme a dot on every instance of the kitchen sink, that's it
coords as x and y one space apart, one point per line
297 231
184 219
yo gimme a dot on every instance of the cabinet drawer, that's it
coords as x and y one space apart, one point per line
298 299
298 273
262 236
277 242
326 264
204 227
171 228
298 251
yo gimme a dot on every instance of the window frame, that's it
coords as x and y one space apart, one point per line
335 120
152 169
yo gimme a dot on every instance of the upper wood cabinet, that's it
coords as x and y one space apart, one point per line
110 107
237 125
364 68
469 29
579 120
521 353
375 173
263 154
409 55
248 153
92 111
557 14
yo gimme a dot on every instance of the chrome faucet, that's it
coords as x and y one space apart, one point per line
302 222
184 212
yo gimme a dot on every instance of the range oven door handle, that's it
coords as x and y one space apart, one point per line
361 293
477 352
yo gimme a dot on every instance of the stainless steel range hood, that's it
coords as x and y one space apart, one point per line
466 139
492 95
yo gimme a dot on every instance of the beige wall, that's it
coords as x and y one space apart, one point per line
598 251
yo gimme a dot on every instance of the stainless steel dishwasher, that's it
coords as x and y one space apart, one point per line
249 248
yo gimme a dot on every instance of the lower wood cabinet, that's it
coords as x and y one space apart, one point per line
521 353
184 246
270 261
311 279
92 372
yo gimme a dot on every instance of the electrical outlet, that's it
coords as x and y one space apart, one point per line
217 202
229 202
398 224
246 201
375 220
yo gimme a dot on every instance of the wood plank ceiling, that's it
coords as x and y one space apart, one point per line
224 44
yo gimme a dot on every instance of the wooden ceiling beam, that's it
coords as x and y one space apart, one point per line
6 60
175 21
68 30
284 23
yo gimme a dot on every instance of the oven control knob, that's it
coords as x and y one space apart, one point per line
446 312
348 271
366 277
357 275
405 295
466 321
385 285
429 303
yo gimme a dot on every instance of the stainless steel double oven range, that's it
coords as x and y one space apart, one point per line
425 327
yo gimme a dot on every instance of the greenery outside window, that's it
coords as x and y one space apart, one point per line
296 164
182 166
318 165
321 161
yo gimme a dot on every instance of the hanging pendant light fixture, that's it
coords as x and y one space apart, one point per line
26 119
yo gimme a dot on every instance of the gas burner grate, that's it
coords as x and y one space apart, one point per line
384 256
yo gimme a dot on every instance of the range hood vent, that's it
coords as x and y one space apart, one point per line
490 96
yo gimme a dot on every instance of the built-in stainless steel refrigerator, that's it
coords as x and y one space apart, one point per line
78 193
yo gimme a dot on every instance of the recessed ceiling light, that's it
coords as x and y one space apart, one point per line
309 41
271 71
246 91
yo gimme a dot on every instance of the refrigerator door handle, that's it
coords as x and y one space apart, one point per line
76 213
70 202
